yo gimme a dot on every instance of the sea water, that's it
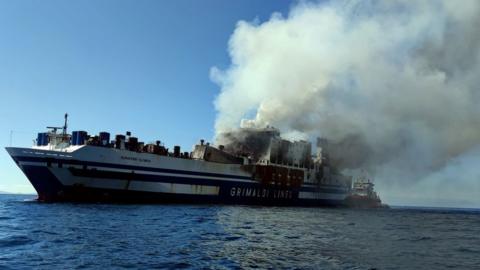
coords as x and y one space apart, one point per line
114 236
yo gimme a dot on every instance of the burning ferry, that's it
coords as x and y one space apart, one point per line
93 168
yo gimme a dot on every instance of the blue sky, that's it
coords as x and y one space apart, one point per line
112 65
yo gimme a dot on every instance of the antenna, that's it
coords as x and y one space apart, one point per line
65 125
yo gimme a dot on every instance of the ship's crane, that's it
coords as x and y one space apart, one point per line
64 128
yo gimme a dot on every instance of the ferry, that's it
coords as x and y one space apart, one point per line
82 167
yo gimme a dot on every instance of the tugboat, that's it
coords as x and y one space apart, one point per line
363 195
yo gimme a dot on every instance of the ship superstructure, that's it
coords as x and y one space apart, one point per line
363 194
83 167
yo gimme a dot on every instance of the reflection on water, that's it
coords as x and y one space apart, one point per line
287 237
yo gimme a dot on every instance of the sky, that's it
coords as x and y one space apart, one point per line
141 66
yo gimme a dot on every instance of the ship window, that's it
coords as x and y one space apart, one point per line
60 165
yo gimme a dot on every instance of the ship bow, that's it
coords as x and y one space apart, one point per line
36 169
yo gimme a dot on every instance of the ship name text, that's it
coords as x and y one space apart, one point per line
136 159
260 193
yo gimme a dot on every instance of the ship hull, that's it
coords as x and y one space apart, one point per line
354 201
104 175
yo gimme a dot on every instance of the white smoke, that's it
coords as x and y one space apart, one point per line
401 77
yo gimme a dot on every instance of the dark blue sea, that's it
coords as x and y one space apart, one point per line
95 236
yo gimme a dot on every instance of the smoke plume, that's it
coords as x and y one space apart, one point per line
395 84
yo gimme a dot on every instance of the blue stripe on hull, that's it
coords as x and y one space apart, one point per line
157 178
102 174
50 189
126 167
79 194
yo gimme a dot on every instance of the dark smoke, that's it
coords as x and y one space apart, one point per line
352 152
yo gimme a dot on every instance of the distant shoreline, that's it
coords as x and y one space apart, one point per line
436 208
